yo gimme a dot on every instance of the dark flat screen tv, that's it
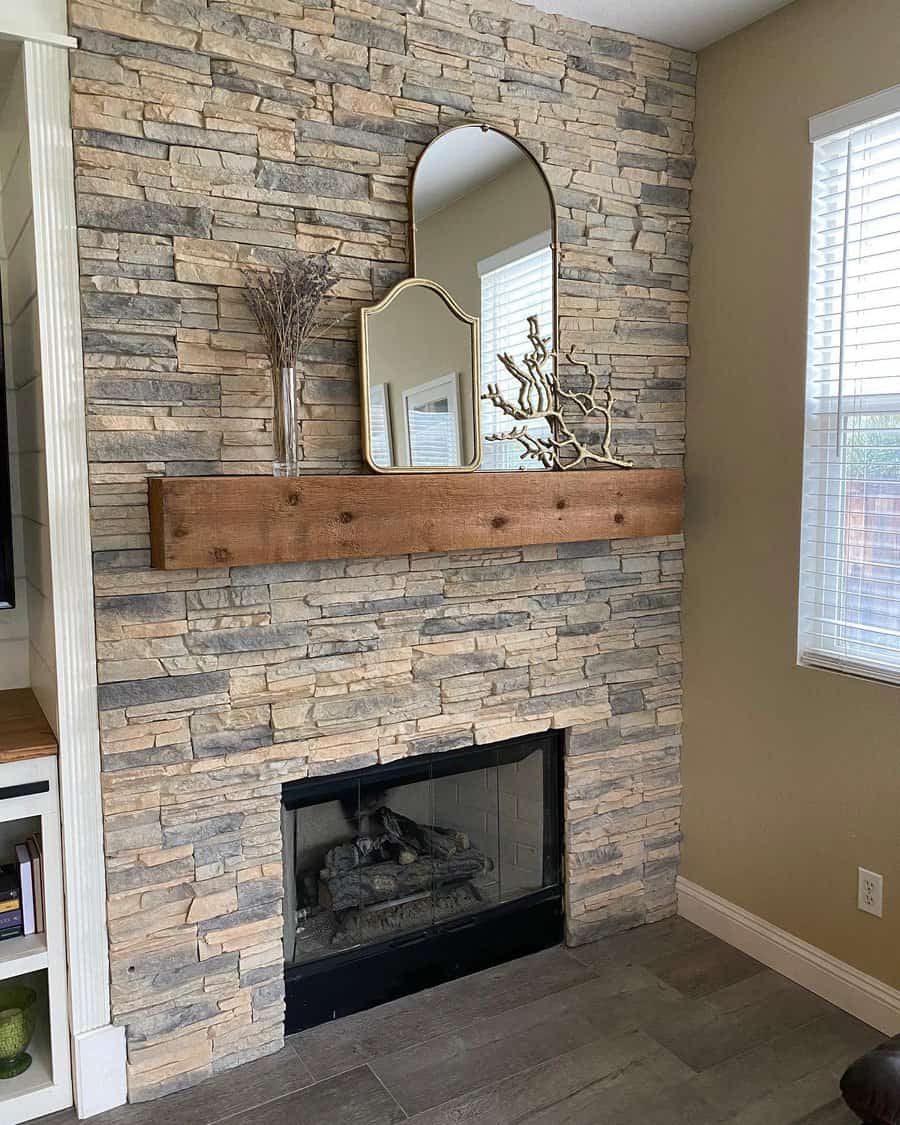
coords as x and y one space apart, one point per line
7 568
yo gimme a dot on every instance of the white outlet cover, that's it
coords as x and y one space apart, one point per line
870 894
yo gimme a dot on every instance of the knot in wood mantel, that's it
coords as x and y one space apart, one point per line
246 521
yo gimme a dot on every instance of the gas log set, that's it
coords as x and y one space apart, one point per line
394 875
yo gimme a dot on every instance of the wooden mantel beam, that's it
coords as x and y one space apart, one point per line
244 521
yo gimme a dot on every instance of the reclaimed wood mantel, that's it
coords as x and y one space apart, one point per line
244 521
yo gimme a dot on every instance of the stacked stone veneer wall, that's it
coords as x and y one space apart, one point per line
212 134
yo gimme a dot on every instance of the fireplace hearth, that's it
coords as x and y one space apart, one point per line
402 876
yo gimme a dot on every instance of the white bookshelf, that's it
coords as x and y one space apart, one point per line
23 955
29 802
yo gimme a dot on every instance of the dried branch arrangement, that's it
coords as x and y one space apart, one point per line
285 301
541 398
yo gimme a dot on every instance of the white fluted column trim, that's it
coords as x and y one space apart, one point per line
99 1053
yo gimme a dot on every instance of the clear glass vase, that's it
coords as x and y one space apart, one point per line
285 437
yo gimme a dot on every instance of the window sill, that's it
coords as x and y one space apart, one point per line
858 669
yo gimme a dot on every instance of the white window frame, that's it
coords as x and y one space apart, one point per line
831 413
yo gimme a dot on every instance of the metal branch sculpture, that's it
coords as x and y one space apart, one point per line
541 398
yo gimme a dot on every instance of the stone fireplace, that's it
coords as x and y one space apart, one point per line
212 135
313 671
401 876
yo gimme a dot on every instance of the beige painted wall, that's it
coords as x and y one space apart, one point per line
792 776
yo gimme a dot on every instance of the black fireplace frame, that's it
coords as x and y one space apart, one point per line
353 980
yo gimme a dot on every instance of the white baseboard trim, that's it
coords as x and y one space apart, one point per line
100 1079
870 1000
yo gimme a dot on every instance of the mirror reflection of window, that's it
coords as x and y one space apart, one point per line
432 422
380 425
515 284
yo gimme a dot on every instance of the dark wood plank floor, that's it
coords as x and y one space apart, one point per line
664 1025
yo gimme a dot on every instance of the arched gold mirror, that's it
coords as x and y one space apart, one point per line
419 363
484 228
484 249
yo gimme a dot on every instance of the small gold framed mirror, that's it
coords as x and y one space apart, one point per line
418 353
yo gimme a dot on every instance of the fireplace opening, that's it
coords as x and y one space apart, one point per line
402 876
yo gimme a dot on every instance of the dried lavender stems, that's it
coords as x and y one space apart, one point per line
285 301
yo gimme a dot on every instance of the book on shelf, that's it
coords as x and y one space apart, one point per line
22 910
37 864
11 924
10 902
26 883
9 886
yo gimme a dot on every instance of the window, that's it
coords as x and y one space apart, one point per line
515 284
850 556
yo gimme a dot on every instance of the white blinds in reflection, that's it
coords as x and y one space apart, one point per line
432 438
380 426
850 559
509 295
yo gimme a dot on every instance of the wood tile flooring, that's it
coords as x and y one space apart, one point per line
664 1025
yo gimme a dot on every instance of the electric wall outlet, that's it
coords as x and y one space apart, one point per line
871 892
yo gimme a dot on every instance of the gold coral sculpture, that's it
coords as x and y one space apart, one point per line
541 398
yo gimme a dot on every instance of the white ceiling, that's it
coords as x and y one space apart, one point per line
680 23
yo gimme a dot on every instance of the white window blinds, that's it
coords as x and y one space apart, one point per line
380 426
510 294
850 556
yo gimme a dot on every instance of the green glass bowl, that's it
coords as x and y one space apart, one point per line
16 1028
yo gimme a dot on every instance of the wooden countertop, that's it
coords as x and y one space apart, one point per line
24 732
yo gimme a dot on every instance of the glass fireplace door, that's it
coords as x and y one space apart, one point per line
383 853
